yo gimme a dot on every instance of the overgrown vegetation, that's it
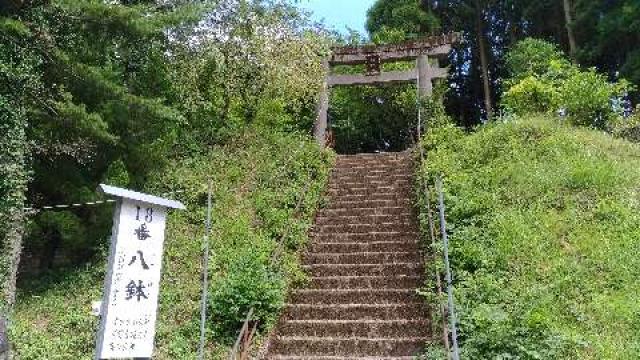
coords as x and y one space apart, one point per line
542 80
544 226
258 179
128 93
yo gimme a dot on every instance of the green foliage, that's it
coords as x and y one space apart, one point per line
249 284
13 182
402 15
529 96
366 118
532 58
433 112
258 180
542 81
629 127
543 221
588 98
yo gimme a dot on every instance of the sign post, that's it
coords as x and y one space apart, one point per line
130 301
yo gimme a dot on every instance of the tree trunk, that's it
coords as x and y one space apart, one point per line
568 15
13 179
50 250
484 62
4 338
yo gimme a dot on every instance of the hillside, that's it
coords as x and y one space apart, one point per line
257 182
544 223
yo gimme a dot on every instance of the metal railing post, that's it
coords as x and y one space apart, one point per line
205 277
445 240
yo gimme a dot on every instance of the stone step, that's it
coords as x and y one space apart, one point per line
374 347
374 246
372 159
388 196
357 296
386 158
365 282
284 357
389 210
362 258
373 171
406 203
400 183
339 178
375 167
367 237
366 190
363 228
354 311
366 219
354 328
407 269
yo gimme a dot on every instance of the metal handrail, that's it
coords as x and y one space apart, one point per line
242 345
445 241
432 234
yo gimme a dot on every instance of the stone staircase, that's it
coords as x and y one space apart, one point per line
365 263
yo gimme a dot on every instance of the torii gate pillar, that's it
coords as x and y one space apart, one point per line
372 57
425 77
320 127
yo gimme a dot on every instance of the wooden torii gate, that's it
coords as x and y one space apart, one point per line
373 56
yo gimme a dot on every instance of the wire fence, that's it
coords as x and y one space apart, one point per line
85 204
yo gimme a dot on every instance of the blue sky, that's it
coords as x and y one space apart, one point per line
340 14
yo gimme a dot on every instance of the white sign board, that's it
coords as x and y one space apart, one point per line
130 301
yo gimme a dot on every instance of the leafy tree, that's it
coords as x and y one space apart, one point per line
404 15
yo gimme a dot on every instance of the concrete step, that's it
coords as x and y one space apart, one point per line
354 328
365 282
406 269
362 258
363 228
367 237
374 347
354 311
366 219
375 246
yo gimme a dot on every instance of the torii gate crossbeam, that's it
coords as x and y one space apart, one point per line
373 56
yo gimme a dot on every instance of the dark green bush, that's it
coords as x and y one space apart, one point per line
249 283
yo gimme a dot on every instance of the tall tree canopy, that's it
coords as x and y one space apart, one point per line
602 34
94 91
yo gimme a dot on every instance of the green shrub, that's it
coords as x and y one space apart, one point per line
249 283
531 95
629 127
543 81
587 98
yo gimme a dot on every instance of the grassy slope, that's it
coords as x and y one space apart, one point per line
257 181
545 237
